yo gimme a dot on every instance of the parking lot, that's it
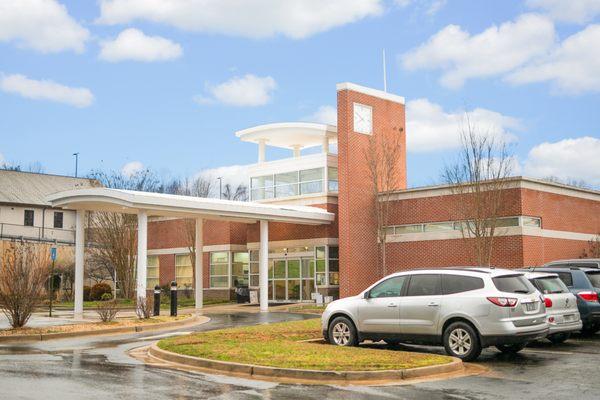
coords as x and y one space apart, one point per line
63 369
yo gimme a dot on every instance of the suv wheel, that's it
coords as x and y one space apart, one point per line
342 332
461 340
511 348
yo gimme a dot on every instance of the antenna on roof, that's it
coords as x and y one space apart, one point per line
384 73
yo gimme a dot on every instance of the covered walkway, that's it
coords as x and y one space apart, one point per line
148 205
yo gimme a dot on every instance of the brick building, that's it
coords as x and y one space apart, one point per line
540 222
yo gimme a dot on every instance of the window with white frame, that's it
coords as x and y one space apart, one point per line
219 269
184 273
334 265
502 222
293 183
240 269
152 272
321 266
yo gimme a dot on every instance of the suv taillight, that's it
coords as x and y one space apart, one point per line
547 302
503 301
588 296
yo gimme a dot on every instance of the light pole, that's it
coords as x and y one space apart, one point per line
220 187
76 162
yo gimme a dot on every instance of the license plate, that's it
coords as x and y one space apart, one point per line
569 318
530 306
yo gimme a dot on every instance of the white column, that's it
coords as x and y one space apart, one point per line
325 145
79 253
142 253
263 266
198 267
261 151
296 151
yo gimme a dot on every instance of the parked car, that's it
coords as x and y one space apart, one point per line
585 284
561 305
463 309
576 262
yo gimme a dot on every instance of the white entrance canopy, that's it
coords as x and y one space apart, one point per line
145 205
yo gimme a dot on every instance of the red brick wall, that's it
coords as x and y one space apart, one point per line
357 226
173 233
539 250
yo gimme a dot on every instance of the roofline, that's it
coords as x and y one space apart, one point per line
163 205
370 92
284 125
444 189
46 174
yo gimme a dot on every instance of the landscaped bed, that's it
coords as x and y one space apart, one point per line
91 326
286 345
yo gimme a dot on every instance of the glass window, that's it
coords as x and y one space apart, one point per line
286 178
400 230
219 269
550 285
513 284
320 252
334 252
279 270
152 272
28 218
58 219
506 222
184 274
332 172
311 187
389 288
293 269
261 181
459 283
531 221
424 285
308 268
439 226
566 277
314 174
594 278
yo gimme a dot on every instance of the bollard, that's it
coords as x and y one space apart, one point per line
173 299
156 300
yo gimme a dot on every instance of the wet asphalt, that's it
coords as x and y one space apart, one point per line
100 368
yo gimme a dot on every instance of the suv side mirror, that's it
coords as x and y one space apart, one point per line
366 295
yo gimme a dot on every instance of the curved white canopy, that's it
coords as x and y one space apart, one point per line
290 135
169 205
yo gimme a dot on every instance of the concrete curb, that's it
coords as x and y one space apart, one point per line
304 375
124 329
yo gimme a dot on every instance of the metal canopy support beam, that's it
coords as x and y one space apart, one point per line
263 265
142 254
79 253
198 267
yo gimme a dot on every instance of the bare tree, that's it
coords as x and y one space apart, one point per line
239 194
23 273
383 156
480 179
593 250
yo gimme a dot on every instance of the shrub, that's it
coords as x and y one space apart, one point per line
144 307
107 310
106 297
86 293
98 290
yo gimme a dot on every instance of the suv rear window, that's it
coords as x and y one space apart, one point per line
550 285
594 278
566 277
513 284
458 283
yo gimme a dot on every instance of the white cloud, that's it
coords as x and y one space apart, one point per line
324 115
296 19
497 50
435 6
246 91
46 90
569 159
573 67
578 11
132 168
42 25
133 44
235 175
430 128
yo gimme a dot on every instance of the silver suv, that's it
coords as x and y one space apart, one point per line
463 309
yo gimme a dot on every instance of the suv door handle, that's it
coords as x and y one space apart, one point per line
392 305
433 304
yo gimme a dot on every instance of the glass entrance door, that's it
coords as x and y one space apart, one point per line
291 279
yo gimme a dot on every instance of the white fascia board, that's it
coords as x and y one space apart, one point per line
370 91
290 164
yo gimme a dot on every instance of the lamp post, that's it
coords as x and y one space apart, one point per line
76 162
220 187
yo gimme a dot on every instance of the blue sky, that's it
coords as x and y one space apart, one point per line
165 84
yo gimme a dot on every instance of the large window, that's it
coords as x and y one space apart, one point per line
219 269
287 184
239 269
184 273
321 266
58 219
332 173
503 222
254 268
152 272
334 266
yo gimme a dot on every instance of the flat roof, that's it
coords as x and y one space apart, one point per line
289 135
170 205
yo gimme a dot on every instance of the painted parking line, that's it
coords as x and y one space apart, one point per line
164 335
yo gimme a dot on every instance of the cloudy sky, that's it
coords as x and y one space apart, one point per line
164 84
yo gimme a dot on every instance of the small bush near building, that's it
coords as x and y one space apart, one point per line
107 310
86 293
144 307
98 290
